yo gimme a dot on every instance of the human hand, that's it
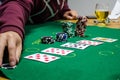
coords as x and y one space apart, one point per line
13 42
70 15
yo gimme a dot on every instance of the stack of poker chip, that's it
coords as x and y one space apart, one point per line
47 40
80 26
68 28
61 36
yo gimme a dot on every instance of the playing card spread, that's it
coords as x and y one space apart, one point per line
57 51
89 42
104 39
75 45
42 57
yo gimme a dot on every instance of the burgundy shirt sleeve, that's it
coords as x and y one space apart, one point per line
65 8
14 14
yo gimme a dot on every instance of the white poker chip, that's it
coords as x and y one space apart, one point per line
7 66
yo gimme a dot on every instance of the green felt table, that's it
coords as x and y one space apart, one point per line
100 62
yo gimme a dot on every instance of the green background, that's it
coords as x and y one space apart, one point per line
100 62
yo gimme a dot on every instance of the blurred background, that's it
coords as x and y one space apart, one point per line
87 7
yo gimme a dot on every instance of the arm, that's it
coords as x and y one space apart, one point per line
13 15
65 7
67 12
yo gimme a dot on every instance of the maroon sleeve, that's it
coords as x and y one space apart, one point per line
65 7
14 14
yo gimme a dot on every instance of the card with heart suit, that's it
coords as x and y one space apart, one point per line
75 45
57 51
89 42
42 57
104 39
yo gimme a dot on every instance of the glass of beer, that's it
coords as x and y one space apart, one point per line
101 12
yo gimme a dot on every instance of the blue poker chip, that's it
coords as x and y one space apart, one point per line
61 36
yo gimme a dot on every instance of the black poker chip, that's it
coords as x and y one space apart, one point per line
7 66
47 40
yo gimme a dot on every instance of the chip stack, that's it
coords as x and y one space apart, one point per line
47 40
80 26
67 28
60 37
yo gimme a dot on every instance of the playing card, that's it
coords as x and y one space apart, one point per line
75 45
89 42
42 57
7 66
104 39
70 45
57 51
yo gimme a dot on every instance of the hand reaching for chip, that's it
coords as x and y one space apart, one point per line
13 42
70 15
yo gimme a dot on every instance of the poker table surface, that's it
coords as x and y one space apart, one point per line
100 62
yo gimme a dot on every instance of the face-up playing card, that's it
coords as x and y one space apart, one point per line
89 42
57 51
75 45
42 57
70 45
104 39
7 66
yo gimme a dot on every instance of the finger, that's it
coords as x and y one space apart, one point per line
69 17
12 51
2 47
74 15
18 52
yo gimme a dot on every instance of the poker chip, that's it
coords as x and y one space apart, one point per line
7 66
67 28
60 37
80 26
47 40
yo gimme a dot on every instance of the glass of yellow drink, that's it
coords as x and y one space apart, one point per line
101 12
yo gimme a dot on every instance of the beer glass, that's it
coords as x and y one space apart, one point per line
101 12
